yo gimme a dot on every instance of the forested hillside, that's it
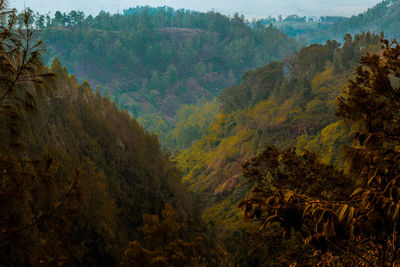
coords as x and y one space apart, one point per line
152 60
283 103
344 215
295 163
80 179
301 27
385 16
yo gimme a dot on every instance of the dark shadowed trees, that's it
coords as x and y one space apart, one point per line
350 217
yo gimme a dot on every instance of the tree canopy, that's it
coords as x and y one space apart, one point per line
347 218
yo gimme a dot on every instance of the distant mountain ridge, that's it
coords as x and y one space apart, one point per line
153 60
384 16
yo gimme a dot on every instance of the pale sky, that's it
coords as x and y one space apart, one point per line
249 8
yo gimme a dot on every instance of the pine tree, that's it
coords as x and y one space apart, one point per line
23 76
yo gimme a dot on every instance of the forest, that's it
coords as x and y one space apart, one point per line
163 137
151 61
381 17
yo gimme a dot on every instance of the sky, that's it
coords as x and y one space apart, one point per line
248 8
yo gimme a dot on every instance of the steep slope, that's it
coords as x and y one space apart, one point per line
282 103
338 214
84 177
152 60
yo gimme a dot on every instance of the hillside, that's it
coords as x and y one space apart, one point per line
270 108
302 28
102 165
385 16
154 60
295 163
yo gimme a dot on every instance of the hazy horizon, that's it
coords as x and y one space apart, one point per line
250 8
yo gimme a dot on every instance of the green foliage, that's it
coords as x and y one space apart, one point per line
279 79
257 86
152 61
192 122
74 193
383 17
297 111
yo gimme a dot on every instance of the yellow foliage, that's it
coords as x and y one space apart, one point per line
321 80
328 143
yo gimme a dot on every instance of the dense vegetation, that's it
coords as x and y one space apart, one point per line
153 60
77 174
304 29
306 146
347 218
283 103
382 17
385 16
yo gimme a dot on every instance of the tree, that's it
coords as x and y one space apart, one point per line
76 17
23 75
40 21
286 182
351 218
171 75
28 194
163 243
